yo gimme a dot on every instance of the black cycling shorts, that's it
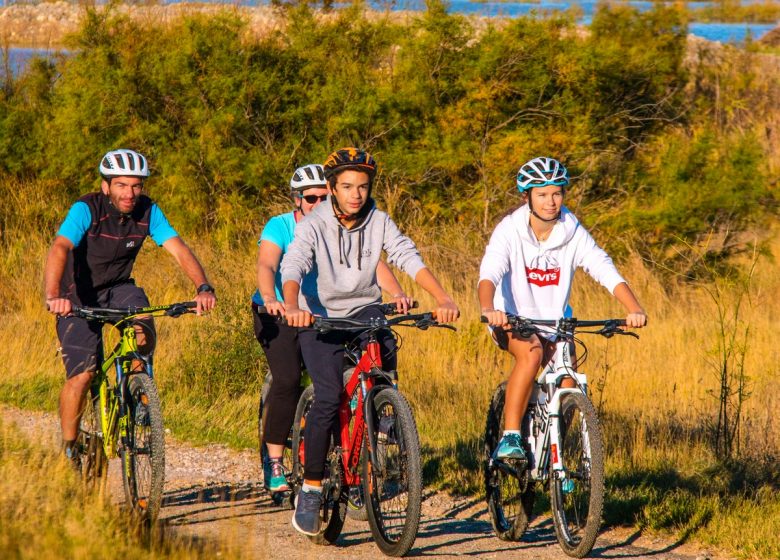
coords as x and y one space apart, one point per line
81 340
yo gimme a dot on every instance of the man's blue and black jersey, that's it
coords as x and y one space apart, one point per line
106 243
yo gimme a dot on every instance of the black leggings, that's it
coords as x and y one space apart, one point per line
324 358
283 353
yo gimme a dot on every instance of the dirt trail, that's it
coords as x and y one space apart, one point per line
214 493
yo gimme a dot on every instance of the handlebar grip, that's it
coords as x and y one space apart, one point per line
483 319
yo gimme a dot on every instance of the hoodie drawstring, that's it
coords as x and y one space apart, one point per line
360 246
341 249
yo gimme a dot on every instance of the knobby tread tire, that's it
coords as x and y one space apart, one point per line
147 499
405 434
507 527
577 536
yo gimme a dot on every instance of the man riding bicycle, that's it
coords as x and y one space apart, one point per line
279 341
343 239
527 270
89 264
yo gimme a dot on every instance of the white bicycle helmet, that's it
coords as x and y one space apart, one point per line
306 177
542 172
123 163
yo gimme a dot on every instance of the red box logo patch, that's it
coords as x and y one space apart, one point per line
541 277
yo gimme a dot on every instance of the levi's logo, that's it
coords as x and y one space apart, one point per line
541 277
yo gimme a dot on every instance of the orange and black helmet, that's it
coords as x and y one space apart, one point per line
349 158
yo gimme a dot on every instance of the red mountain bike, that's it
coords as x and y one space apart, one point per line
377 449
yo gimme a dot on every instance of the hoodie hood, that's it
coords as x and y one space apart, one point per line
327 214
563 231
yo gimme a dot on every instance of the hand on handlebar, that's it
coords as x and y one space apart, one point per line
496 318
59 306
205 301
274 307
297 317
446 312
636 320
403 303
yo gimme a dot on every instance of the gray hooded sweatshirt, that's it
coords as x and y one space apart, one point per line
345 260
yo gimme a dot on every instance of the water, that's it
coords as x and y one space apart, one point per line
723 32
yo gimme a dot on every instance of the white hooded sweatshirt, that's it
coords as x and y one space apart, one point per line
533 278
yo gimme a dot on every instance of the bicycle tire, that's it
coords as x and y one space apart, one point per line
510 506
143 453
94 463
334 509
577 511
393 488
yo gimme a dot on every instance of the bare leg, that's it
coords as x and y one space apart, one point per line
529 354
71 404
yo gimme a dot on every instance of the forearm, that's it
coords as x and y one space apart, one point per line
430 284
486 291
55 267
266 282
187 261
626 297
387 280
290 290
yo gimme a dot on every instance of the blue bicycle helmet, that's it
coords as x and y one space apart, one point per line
542 172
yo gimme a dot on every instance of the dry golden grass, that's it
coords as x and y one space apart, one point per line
657 396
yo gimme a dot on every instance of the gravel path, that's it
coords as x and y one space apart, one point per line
214 493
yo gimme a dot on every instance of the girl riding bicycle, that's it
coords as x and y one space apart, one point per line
532 256
343 239
280 342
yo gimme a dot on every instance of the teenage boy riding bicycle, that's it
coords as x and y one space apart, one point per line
343 239
532 256
279 341
89 264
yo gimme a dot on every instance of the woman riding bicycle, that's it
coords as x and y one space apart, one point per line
532 256
280 342
343 239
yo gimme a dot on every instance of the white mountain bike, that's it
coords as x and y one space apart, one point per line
562 440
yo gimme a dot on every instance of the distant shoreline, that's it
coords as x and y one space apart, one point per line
44 26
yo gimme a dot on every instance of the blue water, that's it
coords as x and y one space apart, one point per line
723 32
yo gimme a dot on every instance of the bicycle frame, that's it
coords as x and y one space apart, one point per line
112 398
543 411
351 444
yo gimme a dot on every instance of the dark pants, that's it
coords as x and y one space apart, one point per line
283 353
81 340
323 355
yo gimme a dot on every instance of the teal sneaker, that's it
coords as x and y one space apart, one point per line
278 480
510 447
567 486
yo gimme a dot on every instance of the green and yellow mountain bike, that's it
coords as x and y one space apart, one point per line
124 418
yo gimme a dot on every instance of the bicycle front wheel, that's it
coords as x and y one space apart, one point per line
393 486
94 463
510 495
577 494
143 454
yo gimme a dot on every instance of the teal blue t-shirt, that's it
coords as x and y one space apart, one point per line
280 231
79 219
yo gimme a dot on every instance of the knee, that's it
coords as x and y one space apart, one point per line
79 382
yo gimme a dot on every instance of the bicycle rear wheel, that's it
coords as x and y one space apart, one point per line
143 454
94 463
334 509
393 487
510 498
577 498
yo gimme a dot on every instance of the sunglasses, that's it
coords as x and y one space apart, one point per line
313 198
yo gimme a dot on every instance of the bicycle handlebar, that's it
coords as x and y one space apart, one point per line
565 325
106 314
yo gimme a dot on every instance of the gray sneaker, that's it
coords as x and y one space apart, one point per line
306 518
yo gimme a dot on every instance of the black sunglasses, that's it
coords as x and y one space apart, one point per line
312 198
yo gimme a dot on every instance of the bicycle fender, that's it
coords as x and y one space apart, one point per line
368 415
